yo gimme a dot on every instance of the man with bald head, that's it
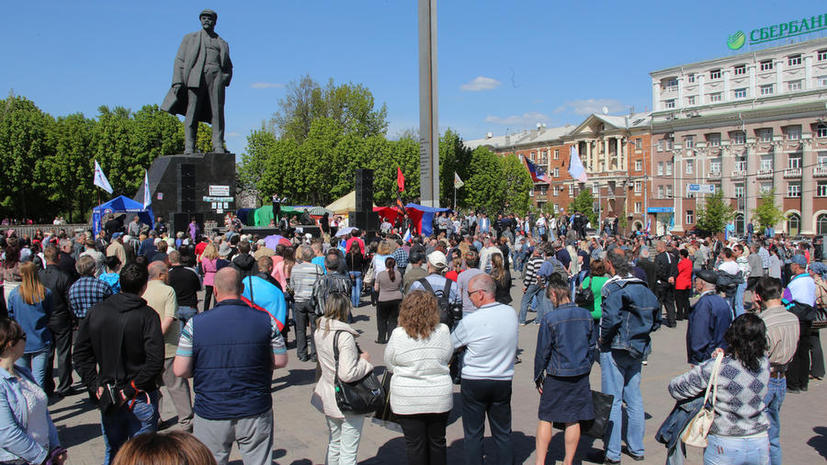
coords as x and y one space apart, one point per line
489 336
230 352
161 297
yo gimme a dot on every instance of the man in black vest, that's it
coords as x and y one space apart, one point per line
231 358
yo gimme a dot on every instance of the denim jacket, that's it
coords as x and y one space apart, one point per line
15 442
630 313
565 342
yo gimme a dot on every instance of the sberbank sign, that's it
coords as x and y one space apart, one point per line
779 31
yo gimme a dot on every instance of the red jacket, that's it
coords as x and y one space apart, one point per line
684 279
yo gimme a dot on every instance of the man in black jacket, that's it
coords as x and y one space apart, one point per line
666 270
119 355
60 323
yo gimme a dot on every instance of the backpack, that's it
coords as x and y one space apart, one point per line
584 297
448 313
559 269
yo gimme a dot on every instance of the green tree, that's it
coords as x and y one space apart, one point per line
584 203
714 214
454 157
517 184
485 186
766 212
66 176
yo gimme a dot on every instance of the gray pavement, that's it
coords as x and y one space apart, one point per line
301 433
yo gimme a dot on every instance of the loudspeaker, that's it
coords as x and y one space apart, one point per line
366 221
364 190
187 188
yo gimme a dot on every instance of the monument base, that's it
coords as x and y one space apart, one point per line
186 186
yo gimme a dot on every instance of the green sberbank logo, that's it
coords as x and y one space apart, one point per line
778 31
737 40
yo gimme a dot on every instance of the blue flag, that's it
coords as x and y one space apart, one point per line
576 169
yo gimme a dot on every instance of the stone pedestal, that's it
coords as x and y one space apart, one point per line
191 185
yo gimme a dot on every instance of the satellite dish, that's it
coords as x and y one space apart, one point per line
605 110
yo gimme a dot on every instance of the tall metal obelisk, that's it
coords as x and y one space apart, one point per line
428 112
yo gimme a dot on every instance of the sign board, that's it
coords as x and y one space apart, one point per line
219 211
785 30
661 210
219 191
701 188
208 198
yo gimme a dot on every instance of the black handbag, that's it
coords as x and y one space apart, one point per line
596 428
362 396
384 412
584 297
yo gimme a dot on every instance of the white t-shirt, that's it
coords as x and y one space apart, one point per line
729 267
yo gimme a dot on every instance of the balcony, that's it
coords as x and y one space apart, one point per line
714 175
738 173
766 173
792 173
820 171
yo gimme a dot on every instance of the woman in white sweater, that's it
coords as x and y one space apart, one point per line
418 353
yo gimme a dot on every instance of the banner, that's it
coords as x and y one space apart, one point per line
100 179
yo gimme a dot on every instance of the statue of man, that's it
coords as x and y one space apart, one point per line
201 72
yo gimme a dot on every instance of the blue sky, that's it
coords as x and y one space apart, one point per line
503 65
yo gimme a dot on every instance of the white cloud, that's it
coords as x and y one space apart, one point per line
592 105
526 119
480 83
266 85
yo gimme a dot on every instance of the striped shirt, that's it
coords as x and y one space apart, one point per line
302 278
531 269
782 333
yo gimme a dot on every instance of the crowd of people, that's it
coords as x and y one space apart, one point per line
134 310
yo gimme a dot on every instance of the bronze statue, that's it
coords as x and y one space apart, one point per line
201 72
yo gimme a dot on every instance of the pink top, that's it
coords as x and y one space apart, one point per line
278 274
209 270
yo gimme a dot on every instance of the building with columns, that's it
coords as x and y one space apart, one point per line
744 124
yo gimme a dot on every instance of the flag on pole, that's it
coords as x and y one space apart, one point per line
538 174
649 226
457 181
400 179
576 169
147 194
407 236
100 179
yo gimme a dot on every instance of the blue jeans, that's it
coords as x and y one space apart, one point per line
776 390
723 450
36 362
532 291
620 377
122 424
356 293
739 299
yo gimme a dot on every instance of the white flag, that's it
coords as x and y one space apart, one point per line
457 181
100 179
147 195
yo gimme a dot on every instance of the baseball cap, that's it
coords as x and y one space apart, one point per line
799 259
438 260
709 276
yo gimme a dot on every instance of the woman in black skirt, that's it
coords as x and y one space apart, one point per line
562 364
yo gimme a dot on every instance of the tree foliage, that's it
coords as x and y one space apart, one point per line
714 215
584 203
767 213
518 184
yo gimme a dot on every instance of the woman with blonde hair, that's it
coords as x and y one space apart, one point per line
418 353
345 428
172 448
30 304
209 266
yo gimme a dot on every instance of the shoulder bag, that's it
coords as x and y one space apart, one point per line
363 396
698 428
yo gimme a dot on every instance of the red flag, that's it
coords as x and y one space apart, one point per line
400 179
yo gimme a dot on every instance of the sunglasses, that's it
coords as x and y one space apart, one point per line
470 293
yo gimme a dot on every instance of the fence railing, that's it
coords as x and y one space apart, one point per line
22 230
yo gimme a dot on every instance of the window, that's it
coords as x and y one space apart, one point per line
740 165
821 131
740 70
669 191
793 224
794 161
669 144
533 156
595 189
765 187
793 86
660 192
766 164
822 81
670 85
690 166
715 166
544 156
689 141
638 207
531 192
556 154
690 100
767 89
822 158
793 60
740 93
714 139
638 165
638 143
764 135
822 55
669 103
715 74
793 190
766 65
739 191
715 97
638 186
660 146
822 189
556 191
669 168
571 190
660 168
556 172
690 217
738 137
690 78
821 224
792 132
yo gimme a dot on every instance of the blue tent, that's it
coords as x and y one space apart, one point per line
427 216
121 204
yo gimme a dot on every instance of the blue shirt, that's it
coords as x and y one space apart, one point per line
33 319
708 322
86 292
319 261
489 336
